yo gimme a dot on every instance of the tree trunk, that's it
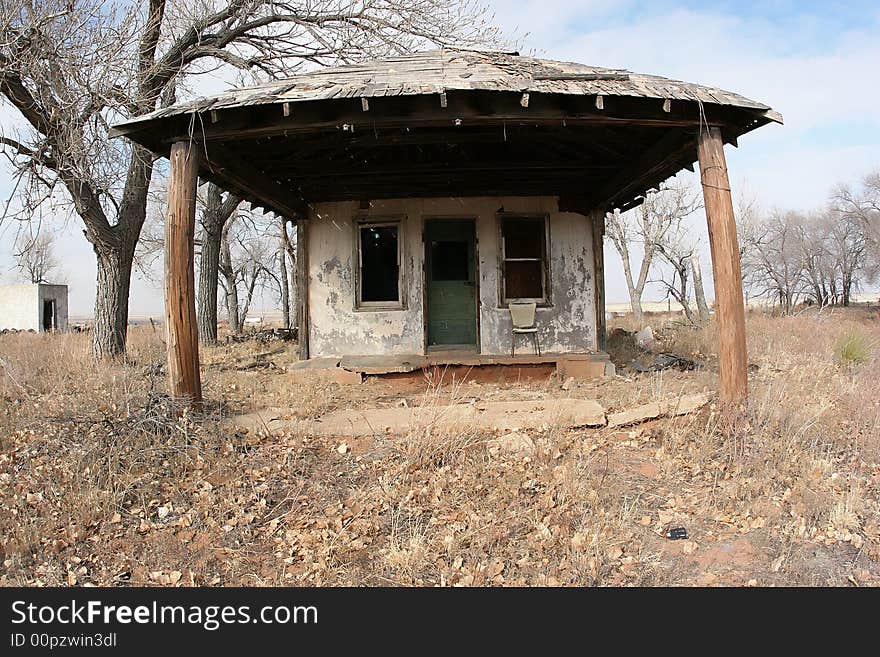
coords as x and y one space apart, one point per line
635 302
635 297
209 263
214 218
285 282
111 301
230 286
114 248
699 292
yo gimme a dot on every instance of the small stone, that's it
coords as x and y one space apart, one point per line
515 443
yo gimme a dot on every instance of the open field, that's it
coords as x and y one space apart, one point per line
102 483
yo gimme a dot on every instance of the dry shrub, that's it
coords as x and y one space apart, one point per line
853 347
699 342
437 437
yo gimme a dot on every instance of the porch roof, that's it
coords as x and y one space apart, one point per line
450 123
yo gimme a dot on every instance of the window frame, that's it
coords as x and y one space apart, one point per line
369 222
545 301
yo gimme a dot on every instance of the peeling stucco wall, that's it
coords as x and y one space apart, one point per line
337 329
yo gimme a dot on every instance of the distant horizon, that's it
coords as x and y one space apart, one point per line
648 306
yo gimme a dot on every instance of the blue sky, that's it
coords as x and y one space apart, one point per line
816 62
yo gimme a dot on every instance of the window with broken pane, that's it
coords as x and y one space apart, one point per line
524 248
379 266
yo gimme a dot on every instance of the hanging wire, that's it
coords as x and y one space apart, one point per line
704 125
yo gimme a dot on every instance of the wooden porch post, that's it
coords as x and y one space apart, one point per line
181 330
729 307
302 286
597 219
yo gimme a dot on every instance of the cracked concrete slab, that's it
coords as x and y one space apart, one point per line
480 416
501 416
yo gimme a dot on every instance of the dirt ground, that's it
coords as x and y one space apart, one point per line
103 482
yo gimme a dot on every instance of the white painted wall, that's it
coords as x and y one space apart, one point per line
21 305
337 329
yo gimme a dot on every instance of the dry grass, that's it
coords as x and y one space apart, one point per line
102 482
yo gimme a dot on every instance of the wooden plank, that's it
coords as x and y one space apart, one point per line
184 383
729 307
302 287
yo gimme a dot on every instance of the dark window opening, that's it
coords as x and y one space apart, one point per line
449 261
525 258
380 268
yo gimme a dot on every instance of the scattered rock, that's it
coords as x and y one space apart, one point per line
516 443
645 338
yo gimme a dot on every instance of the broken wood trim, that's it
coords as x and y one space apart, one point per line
726 270
184 382
302 287
468 108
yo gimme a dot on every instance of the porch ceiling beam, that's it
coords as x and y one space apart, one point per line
427 121
440 170
231 170
656 164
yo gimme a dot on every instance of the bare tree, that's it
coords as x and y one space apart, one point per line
246 264
35 256
748 223
648 226
699 291
816 259
72 67
677 251
284 249
819 257
772 256
861 206
215 214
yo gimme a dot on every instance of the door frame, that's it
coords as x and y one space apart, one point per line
431 218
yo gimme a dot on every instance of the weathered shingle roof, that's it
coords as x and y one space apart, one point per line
444 70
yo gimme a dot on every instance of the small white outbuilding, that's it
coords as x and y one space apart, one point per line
33 307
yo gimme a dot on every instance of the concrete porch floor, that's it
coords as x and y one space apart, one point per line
578 366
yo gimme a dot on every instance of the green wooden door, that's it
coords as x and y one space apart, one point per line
451 283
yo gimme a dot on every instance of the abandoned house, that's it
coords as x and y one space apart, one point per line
439 196
33 307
